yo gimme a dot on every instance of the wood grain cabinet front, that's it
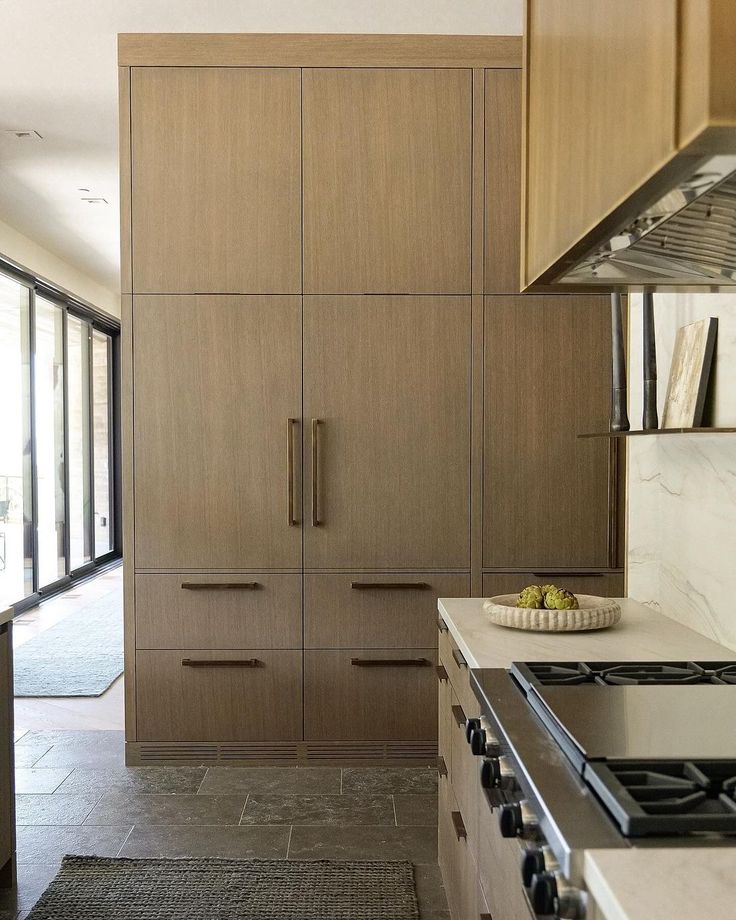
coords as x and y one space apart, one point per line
370 695
219 695
191 611
387 180
216 180
376 611
605 584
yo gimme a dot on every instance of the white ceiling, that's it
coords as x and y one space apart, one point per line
58 76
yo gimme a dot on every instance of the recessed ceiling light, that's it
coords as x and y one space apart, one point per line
23 134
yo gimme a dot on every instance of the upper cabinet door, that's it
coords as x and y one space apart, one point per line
387 181
216 181
387 399
216 380
546 492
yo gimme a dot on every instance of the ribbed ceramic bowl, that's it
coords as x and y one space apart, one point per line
593 613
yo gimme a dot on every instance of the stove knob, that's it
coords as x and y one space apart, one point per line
471 725
488 771
571 903
544 893
509 820
478 741
532 863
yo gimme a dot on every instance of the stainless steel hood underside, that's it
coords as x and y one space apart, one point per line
688 237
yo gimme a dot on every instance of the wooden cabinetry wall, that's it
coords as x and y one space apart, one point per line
329 385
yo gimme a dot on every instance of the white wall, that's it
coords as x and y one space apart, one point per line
682 488
34 258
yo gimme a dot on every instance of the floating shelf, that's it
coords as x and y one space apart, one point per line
656 431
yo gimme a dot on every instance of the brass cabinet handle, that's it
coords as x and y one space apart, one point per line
442 673
291 510
459 658
390 662
220 585
316 522
459 825
441 766
221 663
459 714
389 585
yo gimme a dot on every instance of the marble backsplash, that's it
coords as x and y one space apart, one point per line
681 547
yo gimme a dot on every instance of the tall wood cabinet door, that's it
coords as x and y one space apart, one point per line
387 181
387 405
216 380
546 492
216 180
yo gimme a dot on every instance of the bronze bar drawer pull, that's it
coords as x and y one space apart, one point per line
459 825
568 574
221 663
459 714
441 625
220 585
441 766
316 522
291 510
390 662
442 673
389 586
459 658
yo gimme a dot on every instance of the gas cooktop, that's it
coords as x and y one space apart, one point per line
624 673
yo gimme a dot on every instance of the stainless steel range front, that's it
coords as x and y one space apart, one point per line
597 755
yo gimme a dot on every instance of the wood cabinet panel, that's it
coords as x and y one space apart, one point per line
454 857
605 584
346 699
389 380
218 611
376 611
453 661
215 381
216 181
387 180
547 378
219 701
499 871
502 181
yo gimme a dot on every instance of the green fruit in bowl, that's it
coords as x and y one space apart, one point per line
547 588
532 596
559 599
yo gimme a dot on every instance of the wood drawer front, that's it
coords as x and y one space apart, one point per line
465 776
376 611
458 869
606 584
218 611
451 658
445 724
219 702
346 701
499 872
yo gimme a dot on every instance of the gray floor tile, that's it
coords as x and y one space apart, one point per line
40 779
353 810
62 738
430 892
222 842
70 756
418 844
284 780
134 808
49 844
32 882
415 780
57 809
27 755
416 810
163 780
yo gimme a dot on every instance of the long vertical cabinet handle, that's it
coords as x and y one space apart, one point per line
291 510
316 422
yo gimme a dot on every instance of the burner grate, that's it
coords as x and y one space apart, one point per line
620 673
677 797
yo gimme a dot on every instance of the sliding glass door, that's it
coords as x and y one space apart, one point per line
58 496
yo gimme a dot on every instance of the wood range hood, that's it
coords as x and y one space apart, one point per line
630 144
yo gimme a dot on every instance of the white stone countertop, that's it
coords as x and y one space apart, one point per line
681 883
6 615
642 634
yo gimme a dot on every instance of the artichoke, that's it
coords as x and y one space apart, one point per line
532 596
559 599
547 588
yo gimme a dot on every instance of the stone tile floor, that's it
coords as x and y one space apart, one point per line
74 795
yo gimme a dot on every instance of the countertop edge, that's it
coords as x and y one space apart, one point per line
6 615
600 890
456 634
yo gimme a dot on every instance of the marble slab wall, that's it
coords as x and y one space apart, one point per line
681 555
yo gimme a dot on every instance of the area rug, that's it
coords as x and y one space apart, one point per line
93 888
79 656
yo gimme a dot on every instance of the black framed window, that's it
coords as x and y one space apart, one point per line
59 448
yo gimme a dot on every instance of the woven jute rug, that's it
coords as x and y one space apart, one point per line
93 888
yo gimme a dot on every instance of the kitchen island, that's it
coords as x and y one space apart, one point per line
479 863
